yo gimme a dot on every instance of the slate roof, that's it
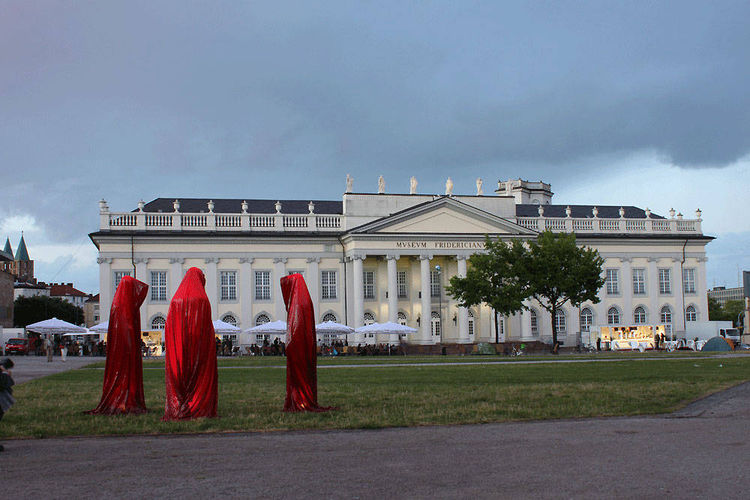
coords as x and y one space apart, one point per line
7 251
22 254
234 206
583 211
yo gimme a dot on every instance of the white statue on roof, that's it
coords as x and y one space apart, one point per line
449 187
349 183
413 185
479 187
381 185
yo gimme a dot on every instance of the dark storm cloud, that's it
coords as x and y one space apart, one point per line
131 100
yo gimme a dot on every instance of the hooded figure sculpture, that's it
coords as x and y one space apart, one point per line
122 391
301 356
191 376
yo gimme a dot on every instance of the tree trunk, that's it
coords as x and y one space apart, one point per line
554 328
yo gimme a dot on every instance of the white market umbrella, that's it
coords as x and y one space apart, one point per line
90 332
333 328
224 328
387 328
272 328
54 326
102 327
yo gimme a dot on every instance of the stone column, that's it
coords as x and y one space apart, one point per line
141 274
678 318
212 284
627 290
392 288
463 313
246 292
359 295
313 285
175 275
652 286
105 287
279 271
425 336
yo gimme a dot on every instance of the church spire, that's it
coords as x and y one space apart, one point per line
8 251
22 254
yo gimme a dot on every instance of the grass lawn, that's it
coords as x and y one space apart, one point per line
251 397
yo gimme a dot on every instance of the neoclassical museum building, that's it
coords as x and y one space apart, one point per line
378 256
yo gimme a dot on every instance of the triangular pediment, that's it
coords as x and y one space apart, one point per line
443 216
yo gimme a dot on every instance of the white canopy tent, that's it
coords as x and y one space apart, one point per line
54 326
102 327
272 328
388 328
224 328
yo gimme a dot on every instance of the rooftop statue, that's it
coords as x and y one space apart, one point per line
381 185
449 187
413 185
479 187
349 183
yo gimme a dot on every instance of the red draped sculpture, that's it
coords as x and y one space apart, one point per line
122 391
191 375
301 355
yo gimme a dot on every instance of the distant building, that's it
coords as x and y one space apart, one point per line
722 294
68 293
91 315
6 300
24 289
19 265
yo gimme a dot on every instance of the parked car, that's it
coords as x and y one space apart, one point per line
17 346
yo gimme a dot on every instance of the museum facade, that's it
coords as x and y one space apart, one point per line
376 257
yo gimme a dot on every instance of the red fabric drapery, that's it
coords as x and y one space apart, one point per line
191 375
122 390
301 356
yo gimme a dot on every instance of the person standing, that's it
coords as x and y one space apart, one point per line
63 351
6 391
48 346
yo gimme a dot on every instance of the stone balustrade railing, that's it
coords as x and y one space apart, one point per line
612 226
142 221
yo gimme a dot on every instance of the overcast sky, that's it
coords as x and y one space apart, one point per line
638 103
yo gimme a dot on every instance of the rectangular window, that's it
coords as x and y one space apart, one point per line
401 281
118 277
158 286
368 281
228 282
688 280
328 284
639 281
665 281
613 282
262 285
434 283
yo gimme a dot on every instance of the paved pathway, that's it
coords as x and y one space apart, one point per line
696 452
31 367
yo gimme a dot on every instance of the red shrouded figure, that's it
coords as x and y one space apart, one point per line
122 391
191 376
301 356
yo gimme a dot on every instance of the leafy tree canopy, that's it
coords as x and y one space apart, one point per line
28 310
553 270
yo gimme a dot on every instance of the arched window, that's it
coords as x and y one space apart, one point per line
261 319
401 319
613 316
691 314
471 323
369 319
158 323
666 318
228 318
587 319
560 321
329 317
639 316
435 323
534 323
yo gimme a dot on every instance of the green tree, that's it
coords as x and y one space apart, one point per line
553 270
28 310
728 312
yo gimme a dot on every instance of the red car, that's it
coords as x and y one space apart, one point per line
17 346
